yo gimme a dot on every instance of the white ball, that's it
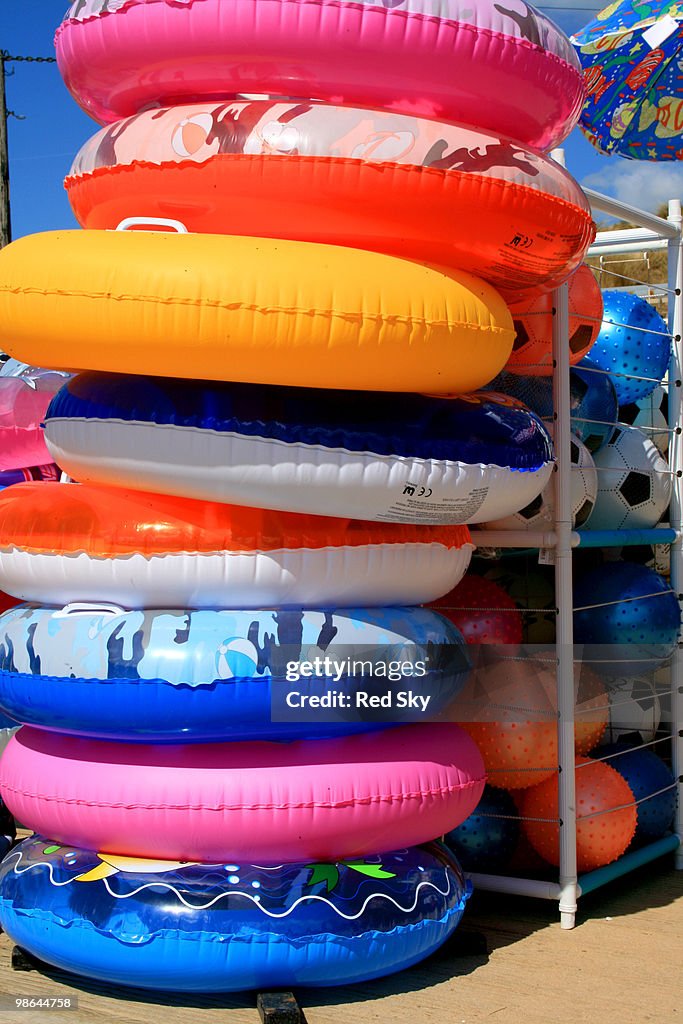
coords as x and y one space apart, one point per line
634 707
634 483
540 513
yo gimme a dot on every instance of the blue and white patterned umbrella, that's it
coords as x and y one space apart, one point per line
632 57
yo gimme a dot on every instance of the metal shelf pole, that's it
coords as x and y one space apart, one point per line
564 602
675 264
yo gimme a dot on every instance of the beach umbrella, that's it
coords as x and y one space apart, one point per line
632 58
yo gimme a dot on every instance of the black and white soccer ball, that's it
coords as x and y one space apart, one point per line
539 514
634 482
651 415
634 709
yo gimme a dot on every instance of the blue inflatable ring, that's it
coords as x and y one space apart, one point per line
228 927
182 676
362 455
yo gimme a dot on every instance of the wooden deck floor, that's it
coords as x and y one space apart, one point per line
622 964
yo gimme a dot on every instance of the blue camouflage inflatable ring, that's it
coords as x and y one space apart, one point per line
375 456
207 676
228 927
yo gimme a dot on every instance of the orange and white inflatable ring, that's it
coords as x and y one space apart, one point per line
63 543
218 307
411 187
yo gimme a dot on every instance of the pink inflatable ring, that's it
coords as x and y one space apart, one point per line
265 802
502 66
23 404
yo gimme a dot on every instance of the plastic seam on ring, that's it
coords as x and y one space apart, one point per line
365 10
408 16
262 936
394 459
268 938
254 552
331 314
312 805
446 173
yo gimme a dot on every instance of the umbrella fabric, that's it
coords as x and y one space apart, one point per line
632 58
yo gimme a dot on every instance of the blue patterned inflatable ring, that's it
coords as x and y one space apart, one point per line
179 676
227 927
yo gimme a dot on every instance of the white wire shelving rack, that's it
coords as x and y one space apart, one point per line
651 233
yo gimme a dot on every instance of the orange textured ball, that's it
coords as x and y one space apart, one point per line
605 815
509 708
516 754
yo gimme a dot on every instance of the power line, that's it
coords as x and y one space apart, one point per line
7 57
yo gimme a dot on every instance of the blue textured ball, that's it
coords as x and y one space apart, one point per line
628 637
593 400
651 620
594 404
535 392
646 774
486 840
633 340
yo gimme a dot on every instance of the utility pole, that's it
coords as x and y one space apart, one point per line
5 221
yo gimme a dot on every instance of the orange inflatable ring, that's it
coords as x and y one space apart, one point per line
420 189
61 543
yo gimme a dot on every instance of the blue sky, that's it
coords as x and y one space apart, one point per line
42 146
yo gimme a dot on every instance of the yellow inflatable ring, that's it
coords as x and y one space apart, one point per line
217 307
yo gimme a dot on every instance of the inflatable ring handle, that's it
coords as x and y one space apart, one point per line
88 608
165 222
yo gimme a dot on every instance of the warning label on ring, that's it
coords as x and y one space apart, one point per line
419 504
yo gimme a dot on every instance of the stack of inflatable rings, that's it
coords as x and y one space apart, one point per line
166 616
